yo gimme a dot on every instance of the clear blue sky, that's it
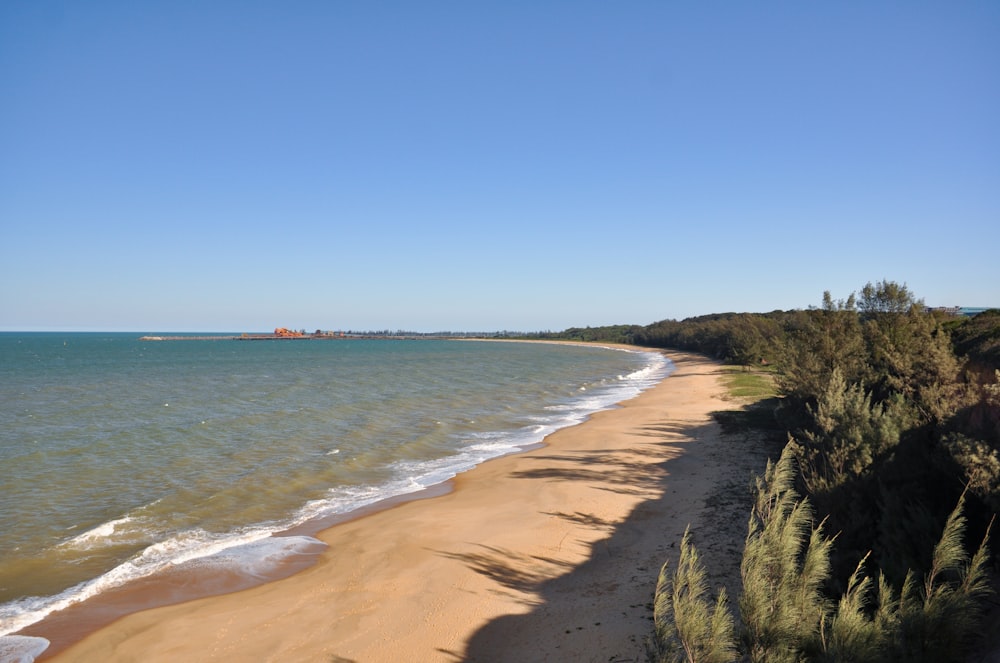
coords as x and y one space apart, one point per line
234 166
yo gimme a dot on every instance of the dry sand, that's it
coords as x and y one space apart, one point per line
550 555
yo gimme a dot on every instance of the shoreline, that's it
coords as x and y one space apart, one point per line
193 580
374 561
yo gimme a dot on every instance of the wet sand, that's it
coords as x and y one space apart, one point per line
550 555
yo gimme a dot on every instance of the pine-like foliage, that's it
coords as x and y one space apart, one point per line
688 627
785 561
933 621
814 344
937 619
854 634
848 433
979 463
976 450
785 615
908 352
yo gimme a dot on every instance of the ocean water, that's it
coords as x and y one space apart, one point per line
122 458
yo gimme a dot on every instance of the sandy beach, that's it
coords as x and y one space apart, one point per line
549 555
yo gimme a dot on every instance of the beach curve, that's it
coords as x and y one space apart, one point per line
552 554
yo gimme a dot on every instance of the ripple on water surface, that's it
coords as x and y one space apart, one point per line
125 457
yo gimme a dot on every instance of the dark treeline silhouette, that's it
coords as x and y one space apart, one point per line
893 417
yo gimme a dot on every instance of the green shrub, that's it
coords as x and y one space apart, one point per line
785 615
937 619
848 433
689 628
786 560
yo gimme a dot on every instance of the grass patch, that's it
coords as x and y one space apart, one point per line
749 384
755 390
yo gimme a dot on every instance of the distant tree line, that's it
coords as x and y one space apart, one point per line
403 333
856 549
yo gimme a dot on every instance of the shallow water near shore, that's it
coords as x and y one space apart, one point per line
125 458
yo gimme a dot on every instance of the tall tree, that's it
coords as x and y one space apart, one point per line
909 352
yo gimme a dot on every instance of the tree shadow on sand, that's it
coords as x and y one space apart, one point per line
612 591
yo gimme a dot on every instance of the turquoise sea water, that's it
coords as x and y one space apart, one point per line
122 458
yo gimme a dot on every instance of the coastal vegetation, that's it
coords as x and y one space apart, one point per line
785 613
868 537
749 382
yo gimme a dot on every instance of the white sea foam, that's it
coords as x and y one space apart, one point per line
413 476
253 550
21 648
97 535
